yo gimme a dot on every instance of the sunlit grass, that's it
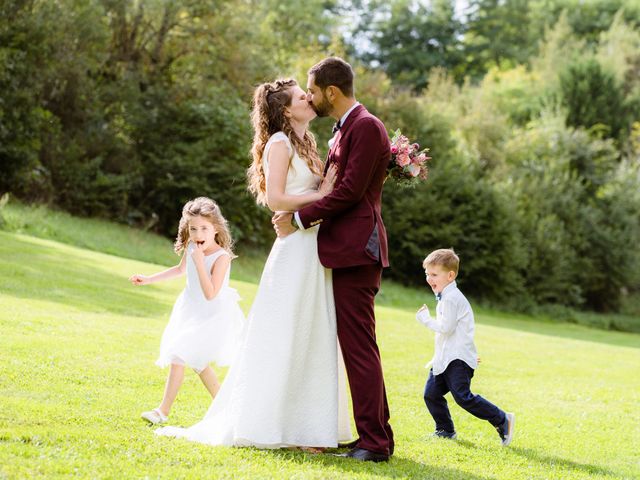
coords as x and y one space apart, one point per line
78 343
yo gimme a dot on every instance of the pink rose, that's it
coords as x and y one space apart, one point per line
394 149
415 147
403 159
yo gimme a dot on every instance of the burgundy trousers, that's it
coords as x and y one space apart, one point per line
354 290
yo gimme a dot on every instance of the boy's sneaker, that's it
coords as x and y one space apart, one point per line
155 416
445 434
506 429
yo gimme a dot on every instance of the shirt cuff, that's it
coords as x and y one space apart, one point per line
298 221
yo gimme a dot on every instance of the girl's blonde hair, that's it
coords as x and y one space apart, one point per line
268 117
207 208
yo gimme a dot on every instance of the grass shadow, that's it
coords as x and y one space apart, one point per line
33 271
544 459
523 323
548 460
397 467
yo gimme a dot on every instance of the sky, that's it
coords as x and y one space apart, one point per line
461 5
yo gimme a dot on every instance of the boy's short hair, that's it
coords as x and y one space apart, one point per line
444 257
333 71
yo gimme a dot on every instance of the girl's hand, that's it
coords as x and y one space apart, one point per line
198 253
326 187
139 279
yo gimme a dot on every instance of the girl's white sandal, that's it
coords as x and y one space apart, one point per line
154 416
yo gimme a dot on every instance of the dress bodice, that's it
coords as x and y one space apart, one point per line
193 288
300 178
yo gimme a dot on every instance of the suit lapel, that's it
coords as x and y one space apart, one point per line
345 128
336 140
356 112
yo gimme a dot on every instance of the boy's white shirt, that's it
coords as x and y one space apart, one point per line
454 326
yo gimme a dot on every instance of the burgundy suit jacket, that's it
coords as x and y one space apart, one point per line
351 228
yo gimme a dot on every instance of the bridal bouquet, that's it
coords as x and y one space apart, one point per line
408 163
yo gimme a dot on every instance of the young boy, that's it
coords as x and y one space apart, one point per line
455 357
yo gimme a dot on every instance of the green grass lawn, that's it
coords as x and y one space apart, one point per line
77 351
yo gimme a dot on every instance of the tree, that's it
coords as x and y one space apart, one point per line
594 99
587 19
408 38
497 34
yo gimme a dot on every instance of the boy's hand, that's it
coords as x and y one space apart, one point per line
139 279
423 315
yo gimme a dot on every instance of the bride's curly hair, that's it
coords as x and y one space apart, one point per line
207 208
267 117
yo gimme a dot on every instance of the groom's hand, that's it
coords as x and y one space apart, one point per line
282 224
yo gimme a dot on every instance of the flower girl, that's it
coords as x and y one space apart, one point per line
206 320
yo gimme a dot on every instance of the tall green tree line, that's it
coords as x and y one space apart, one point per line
125 110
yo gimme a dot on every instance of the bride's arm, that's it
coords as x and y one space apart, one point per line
277 199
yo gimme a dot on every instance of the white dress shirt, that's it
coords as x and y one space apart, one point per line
342 120
331 140
454 327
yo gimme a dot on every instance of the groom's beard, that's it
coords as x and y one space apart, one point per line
322 109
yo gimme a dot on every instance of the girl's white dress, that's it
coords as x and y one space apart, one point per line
283 388
201 331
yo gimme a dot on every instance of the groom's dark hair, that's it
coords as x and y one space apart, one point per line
333 71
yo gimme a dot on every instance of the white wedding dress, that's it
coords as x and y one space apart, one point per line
287 386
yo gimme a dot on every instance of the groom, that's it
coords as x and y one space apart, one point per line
353 242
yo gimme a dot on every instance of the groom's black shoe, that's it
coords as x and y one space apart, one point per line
365 455
351 444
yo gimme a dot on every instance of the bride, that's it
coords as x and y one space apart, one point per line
287 386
